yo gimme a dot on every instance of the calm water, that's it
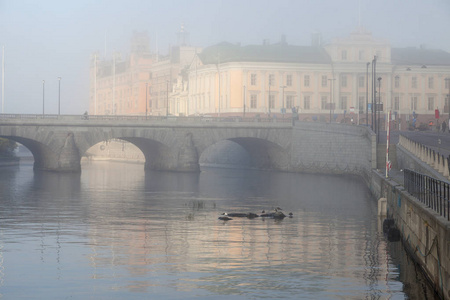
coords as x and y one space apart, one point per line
117 232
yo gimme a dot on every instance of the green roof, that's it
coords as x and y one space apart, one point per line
419 56
227 52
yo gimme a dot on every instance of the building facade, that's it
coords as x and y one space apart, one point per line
144 83
119 86
338 82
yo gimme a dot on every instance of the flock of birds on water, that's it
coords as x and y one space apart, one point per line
273 214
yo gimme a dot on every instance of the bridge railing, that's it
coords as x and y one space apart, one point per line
429 156
141 118
432 192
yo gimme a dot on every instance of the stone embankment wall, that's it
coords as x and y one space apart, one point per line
425 234
9 161
333 149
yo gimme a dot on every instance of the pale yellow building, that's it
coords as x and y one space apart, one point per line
320 80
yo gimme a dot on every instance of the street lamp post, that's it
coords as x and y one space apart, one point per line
43 98
283 109
268 101
245 90
447 104
374 92
146 105
377 108
167 96
59 96
367 94
331 95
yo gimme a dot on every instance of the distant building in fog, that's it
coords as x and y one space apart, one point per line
118 85
140 83
320 80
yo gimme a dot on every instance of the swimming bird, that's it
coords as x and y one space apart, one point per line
291 215
225 217
278 215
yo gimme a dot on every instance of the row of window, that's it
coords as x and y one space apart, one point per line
253 79
361 55
343 102
343 81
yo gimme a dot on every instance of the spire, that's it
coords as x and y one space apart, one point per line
183 36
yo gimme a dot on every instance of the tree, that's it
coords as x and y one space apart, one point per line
7 147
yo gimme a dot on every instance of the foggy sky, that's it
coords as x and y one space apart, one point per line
47 39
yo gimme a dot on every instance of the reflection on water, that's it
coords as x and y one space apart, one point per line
118 232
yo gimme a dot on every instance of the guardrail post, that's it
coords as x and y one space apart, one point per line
445 166
434 160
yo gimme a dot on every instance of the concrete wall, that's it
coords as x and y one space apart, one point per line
333 148
425 233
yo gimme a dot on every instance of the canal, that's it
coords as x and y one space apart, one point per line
116 231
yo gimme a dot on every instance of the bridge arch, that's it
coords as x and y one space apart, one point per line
260 154
52 156
163 149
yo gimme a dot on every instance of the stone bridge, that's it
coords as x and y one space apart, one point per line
175 144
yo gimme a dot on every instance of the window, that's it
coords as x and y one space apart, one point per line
397 82
272 101
430 82
271 79
289 101
361 81
344 80
414 82
447 82
396 103
324 80
430 103
289 80
343 103
344 54
253 101
361 55
253 79
414 103
307 102
361 104
324 102
306 80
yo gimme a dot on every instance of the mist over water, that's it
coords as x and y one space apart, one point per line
116 232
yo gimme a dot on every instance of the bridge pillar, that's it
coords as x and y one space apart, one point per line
182 157
188 156
67 158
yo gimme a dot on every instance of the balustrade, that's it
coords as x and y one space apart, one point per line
429 156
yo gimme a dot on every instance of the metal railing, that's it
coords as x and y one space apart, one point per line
432 192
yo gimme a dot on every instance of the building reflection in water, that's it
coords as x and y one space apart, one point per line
158 232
